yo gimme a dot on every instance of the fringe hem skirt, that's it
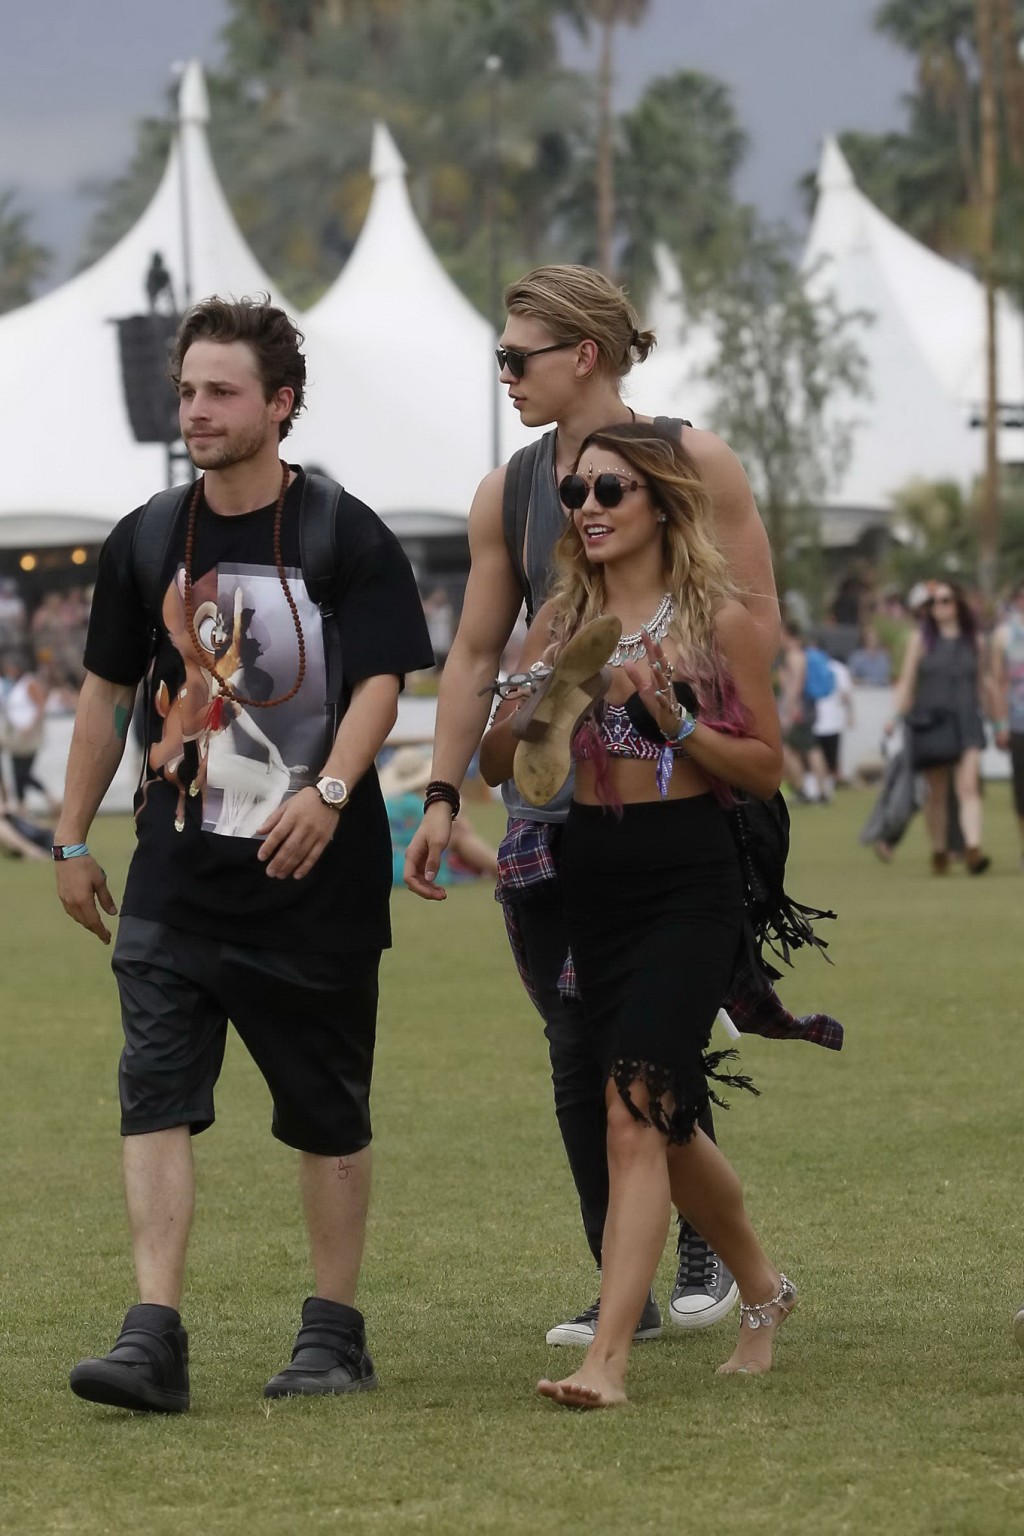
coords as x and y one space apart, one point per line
654 909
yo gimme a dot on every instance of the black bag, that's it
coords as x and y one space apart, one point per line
934 737
760 829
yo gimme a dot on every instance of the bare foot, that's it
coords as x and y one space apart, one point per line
753 1353
590 1387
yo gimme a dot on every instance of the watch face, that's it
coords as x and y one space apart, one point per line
333 791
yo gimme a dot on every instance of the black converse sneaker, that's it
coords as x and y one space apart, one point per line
704 1291
147 1369
329 1355
580 1330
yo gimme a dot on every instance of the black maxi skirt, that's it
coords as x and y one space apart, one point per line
654 910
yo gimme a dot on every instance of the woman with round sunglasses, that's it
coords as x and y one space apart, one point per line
650 877
570 340
939 696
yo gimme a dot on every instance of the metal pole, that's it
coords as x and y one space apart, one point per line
186 225
493 66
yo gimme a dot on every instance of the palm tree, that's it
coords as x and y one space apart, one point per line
941 34
22 261
607 15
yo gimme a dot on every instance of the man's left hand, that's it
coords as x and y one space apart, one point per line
296 835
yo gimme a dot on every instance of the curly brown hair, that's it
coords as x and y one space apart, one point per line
274 338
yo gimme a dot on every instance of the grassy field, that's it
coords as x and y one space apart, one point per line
883 1181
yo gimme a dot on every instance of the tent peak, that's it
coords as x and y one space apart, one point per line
193 102
834 173
385 159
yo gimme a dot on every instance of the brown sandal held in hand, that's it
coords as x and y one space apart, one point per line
546 724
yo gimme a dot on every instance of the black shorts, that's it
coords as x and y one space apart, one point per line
1017 770
829 750
307 1020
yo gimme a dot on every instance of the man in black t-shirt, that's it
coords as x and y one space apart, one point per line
255 809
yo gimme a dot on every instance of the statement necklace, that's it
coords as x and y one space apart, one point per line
631 647
227 690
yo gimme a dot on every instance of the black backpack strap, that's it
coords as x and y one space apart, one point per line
672 424
152 542
318 552
515 512
151 545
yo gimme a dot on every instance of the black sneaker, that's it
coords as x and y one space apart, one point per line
329 1355
704 1291
580 1330
147 1369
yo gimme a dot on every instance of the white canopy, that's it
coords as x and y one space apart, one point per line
73 466
672 382
924 346
402 370
924 350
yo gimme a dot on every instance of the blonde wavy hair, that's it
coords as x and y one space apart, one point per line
696 574
580 304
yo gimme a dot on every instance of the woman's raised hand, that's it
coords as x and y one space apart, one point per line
653 682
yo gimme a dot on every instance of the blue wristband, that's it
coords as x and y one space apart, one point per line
687 726
59 852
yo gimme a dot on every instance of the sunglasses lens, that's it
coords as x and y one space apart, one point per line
573 492
609 490
514 362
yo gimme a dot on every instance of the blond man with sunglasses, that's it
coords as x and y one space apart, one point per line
571 338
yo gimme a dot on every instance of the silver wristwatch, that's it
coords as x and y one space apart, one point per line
333 792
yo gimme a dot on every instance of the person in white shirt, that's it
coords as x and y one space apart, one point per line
832 716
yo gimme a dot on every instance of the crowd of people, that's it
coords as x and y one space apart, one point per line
635 735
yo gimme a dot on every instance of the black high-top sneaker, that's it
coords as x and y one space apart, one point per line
147 1369
329 1355
704 1291
580 1330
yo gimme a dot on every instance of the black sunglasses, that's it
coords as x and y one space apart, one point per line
514 359
608 490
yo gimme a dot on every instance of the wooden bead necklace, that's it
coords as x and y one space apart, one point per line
227 689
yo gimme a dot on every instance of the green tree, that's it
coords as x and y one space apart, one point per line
788 369
680 149
23 261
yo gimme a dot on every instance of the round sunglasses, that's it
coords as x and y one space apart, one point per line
608 490
514 359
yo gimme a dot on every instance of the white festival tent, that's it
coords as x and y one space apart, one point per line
673 381
73 466
925 349
402 370
942 304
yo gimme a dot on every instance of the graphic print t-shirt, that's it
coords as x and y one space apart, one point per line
216 769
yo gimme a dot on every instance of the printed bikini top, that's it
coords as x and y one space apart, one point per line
628 730
620 736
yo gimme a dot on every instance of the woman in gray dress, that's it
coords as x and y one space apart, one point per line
939 694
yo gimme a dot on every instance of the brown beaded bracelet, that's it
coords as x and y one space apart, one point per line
440 791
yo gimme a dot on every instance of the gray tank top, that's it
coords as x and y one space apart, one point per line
544 522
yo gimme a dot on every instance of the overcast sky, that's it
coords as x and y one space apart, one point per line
71 93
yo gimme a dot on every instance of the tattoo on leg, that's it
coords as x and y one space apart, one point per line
121 719
344 1168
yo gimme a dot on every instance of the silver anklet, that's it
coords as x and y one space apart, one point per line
757 1314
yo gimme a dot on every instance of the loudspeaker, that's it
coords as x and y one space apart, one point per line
145 342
